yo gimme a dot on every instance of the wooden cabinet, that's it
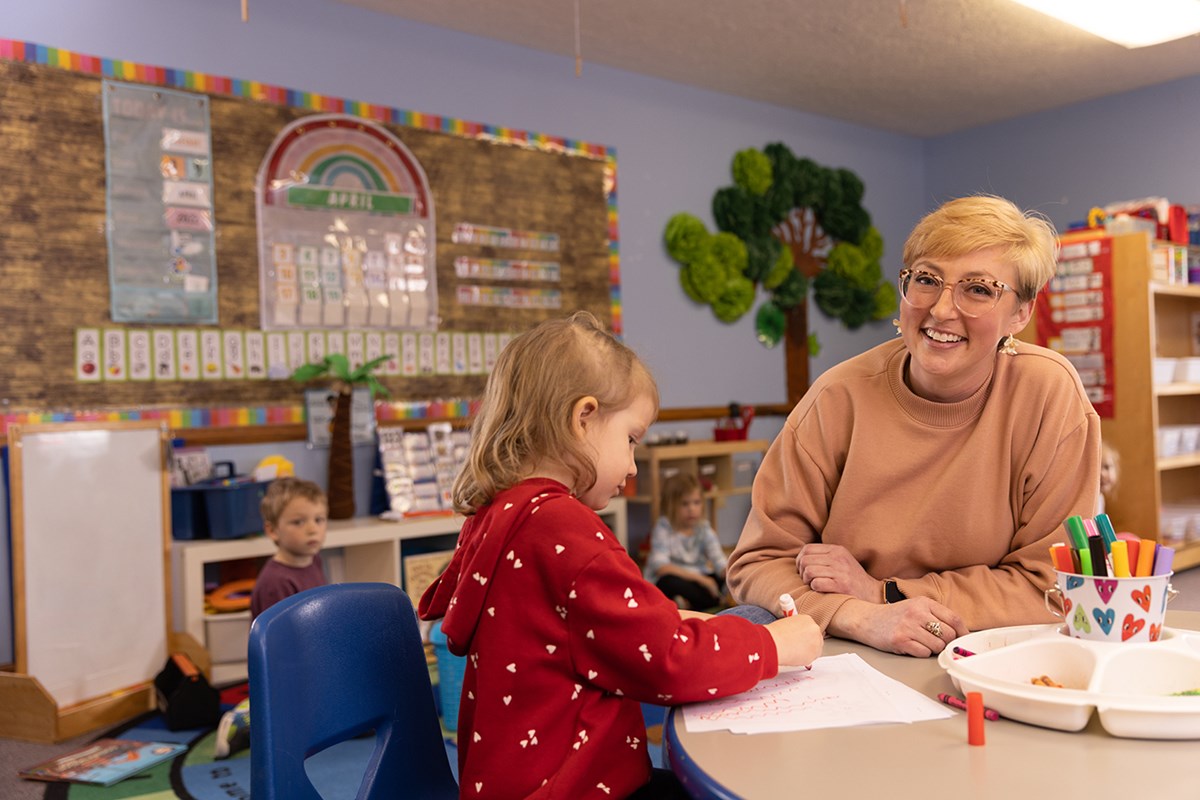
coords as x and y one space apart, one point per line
1152 320
714 462
362 549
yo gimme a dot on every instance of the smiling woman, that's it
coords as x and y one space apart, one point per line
915 489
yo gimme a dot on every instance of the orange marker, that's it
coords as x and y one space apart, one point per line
975 734
1145 564
1060 557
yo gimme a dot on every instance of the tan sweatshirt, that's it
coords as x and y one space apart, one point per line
958 502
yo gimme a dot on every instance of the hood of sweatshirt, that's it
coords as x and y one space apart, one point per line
459 596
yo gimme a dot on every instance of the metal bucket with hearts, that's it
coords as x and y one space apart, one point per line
1111 609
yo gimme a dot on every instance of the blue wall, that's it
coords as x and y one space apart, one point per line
673 143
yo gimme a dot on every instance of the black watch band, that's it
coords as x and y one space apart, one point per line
892 593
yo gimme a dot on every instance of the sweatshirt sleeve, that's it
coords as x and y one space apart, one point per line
790 503
626 637
1061 480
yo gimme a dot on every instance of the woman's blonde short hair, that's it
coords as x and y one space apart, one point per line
525 416
674 489
969 224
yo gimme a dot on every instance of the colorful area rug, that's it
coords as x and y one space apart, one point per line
195 775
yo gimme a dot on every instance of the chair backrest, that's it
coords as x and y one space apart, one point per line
331 664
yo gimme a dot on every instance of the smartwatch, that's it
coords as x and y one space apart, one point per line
892 593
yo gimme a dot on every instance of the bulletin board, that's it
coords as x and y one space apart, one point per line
90 591
53 241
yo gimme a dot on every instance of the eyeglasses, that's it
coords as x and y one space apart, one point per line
974 297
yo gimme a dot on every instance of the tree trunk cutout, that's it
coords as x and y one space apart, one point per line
341 460
800 233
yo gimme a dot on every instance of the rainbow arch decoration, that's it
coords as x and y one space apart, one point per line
346 229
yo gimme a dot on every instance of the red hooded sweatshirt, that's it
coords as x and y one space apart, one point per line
563 638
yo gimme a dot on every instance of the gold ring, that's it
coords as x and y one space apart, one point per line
934 627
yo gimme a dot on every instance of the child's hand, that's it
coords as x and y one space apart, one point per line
798 640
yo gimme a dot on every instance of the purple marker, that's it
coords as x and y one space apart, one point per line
1163 558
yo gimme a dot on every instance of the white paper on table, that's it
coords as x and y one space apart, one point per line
839 691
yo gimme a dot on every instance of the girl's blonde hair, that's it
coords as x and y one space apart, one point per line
969 224
525 416
674 489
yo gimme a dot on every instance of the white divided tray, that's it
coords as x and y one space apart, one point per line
1131 686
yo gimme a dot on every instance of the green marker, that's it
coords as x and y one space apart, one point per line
1078 534
1104 525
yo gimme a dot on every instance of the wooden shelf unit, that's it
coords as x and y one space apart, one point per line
1150 320
370 551
710 460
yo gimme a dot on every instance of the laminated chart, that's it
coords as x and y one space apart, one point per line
161 228
345 229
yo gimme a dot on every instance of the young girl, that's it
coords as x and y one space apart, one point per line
563 636
686 561
1110 466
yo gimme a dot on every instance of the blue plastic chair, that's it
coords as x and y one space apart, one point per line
334 663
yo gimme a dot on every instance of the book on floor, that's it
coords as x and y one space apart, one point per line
103 762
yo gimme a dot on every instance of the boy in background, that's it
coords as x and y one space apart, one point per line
295 513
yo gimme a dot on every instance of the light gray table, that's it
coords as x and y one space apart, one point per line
932 759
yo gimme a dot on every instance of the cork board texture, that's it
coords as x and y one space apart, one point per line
53 246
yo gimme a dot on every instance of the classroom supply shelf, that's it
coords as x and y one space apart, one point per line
1130 686
361 549
714 462
1155 391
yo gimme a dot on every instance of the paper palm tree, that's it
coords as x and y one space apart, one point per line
341 449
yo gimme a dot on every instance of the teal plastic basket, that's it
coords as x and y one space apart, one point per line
450 677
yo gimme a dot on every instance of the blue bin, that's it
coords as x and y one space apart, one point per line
451 669
218 509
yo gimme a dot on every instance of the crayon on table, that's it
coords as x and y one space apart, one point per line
957 702
963 652
1120 559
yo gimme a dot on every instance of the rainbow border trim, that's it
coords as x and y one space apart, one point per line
33 53
243 416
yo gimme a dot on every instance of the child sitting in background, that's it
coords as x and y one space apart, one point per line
686 561
563 636
1110 464
294 513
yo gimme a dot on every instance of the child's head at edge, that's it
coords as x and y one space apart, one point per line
526 414
675 490
280 494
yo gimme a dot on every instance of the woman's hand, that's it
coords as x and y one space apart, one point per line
830 568
902 627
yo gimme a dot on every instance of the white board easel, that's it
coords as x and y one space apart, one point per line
91 547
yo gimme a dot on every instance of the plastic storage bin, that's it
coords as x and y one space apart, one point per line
451 669
222 508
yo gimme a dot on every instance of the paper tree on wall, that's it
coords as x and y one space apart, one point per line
786 223
341 448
